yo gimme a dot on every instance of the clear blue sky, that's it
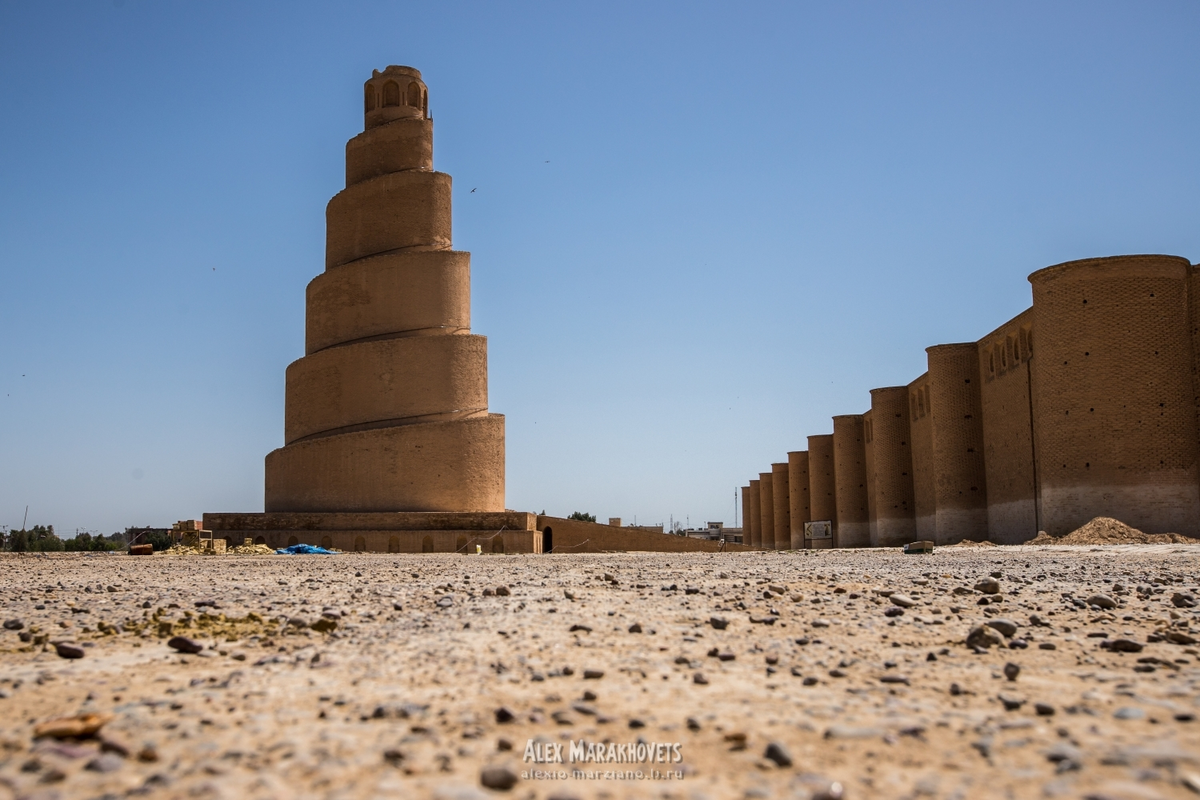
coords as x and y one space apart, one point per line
752 215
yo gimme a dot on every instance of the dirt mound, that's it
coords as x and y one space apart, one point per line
1106 530
972 543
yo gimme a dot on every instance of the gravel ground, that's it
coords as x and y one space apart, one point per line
811 675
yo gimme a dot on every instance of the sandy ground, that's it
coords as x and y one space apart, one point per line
426 682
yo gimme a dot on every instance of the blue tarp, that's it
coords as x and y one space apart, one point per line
305 550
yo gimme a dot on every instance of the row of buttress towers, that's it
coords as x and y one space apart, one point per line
996 443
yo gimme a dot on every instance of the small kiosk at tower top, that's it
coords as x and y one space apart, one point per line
389 445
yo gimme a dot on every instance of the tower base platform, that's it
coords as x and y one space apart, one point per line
385 532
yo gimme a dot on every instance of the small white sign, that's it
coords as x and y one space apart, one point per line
820 529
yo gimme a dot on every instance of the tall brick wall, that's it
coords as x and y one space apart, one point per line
852 528
573 536
746 514
766 509
1116 433
822 486
869 464
1194 330
1004 370
894 510
754 539
921 425
780 493
798 496
959 481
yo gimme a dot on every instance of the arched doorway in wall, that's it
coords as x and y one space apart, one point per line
394 544
292 540
498 544
260 540
427 544
326 542
461 545
360 544
548 540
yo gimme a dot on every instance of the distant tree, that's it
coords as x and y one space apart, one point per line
42 539
582 516
85 542
18 541
677 529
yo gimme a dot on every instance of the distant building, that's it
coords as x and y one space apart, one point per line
715 531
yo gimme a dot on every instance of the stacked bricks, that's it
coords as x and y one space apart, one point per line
798 513
891 464
959 481
1113 394
851 521
780 493
753 536
766 510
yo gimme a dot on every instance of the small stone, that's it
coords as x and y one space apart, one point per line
502 591
1006 626
1179 600
1011 701
984 637
445 601
76 727
778 753
184 645
1037 621
1011 671
635 628
902 600
1101 601
699 678
893 611
955 690
1047 646
1043 709
13 624
1129 712
68 650
500 777
593 674
1179 637
1125 646
105 762
578 627
324 625
988 586
719 623
503 715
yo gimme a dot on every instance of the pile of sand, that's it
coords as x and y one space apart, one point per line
1106 530
971 543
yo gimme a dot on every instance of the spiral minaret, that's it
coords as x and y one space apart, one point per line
388 409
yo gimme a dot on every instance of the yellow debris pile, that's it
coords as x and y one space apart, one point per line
250 549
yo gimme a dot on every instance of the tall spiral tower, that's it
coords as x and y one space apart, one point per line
388 408
388 441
